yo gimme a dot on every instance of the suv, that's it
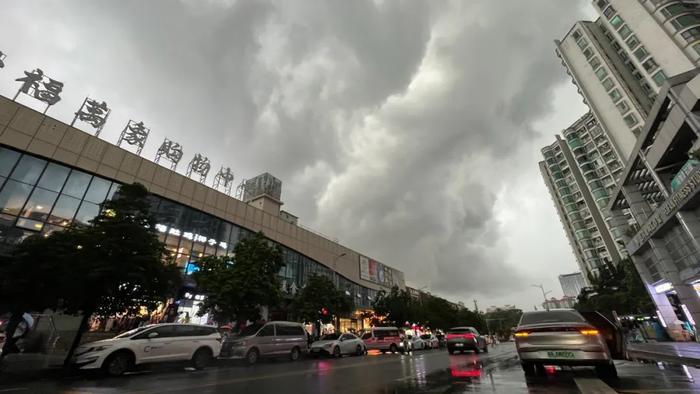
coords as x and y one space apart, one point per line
154 343
465 338
384 339
276 338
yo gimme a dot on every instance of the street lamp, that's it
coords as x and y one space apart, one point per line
544 294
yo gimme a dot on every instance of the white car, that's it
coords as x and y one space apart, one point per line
153 343
431 341
336 345
416 342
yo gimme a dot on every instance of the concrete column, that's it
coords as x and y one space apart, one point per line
638 205
691 224
686 293
663 305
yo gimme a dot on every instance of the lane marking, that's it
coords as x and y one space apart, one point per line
593 386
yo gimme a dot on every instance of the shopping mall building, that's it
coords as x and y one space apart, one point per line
53 175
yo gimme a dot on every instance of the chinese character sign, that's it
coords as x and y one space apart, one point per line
134 134
38 85
2 59
172 151
224 179
94 113
199 165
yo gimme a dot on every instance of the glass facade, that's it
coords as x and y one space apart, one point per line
37 196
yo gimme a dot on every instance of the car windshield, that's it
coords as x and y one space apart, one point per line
425 336
460 331
551 317
133 332
330 337
250 330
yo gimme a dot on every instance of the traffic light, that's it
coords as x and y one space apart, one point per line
324 312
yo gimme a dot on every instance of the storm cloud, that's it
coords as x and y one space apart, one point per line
409 130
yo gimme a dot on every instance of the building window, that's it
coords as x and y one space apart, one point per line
659 78
623 107
609 12
576 34
615 95
675 9
582 43
650 65
28 169
625 32
696 47
641 53
684 21
631 120
608 84
691 35
64 210
616 21
601 3
587 53
632 42
601 73
13 196
595 63
8 158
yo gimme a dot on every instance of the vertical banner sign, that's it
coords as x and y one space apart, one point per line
364 268
38 85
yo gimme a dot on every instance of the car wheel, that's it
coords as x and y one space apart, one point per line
393 348
252 356
294 355
336 352
528 368
118 363
359 351
202 358
606 371
476 350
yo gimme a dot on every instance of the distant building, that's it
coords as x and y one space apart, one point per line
564 302
571 284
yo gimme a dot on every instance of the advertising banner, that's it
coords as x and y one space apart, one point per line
374 271
364 268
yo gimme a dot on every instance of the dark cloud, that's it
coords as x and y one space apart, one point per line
394 125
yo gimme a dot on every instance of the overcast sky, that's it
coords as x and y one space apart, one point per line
408 130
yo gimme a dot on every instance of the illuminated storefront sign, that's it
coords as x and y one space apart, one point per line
663 287
666 211
191 236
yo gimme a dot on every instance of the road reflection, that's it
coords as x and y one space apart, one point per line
465 366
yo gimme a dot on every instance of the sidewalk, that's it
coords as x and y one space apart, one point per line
686 353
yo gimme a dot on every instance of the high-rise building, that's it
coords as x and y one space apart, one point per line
580 171
571 284
661 187
620 61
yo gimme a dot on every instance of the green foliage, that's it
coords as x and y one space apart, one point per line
501 321
399 307
615 288
115 265
237 290
320 292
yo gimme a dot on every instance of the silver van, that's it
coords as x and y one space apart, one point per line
272 339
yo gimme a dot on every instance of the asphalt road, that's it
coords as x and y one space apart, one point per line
430 371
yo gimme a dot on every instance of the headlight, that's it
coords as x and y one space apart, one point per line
400 344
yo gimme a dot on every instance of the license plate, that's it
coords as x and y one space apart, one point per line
459 344
561 354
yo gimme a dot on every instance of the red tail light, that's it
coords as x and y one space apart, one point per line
465 336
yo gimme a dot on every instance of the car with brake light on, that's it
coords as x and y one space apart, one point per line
565 337
154 343
384 339
338 344
271 339
460 339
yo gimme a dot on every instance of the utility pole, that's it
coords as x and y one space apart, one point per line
476 306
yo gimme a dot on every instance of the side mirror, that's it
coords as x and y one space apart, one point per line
152 335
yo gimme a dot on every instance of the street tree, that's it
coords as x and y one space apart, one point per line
396 306
501 321
242 286
318 295
115 265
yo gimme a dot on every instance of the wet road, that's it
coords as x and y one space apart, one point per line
431 371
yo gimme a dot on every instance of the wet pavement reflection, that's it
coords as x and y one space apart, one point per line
430 371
